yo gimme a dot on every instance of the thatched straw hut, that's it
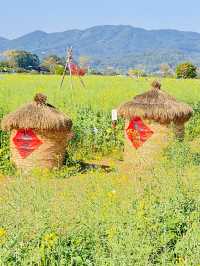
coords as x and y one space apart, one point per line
157 113
39 134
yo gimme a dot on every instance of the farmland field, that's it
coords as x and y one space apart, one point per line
85 215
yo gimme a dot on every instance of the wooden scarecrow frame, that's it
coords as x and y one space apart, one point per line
68 65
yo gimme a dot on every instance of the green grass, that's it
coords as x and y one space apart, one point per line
97 218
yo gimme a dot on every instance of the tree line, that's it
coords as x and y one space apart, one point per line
185 70
21 61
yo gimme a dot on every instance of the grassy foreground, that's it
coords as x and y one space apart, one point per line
98 218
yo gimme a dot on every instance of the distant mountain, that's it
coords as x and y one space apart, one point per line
117 46
4 43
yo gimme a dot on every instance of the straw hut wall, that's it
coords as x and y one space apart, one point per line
39 135
162 114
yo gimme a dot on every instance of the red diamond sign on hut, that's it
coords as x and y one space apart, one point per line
26 142
137 132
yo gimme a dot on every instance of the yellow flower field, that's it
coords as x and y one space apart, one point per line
87 215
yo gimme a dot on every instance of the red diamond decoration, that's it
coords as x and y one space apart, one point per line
26 142
138 133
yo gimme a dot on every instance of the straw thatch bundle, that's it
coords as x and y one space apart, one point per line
37 115
156 105
160 112
151 151
50 131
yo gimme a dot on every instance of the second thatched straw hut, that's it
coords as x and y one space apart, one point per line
39 134
150 118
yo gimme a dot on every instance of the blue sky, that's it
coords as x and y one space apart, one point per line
19 17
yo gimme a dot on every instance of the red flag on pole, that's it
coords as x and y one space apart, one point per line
76 70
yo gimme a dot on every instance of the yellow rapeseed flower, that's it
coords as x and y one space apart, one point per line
142 205
112 231
181 261
50 239
112 194
2 232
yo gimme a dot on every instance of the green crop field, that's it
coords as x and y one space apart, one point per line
86 215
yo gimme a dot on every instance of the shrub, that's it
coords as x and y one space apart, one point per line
20 70
94 133
186 70
193 127
136 73
59 69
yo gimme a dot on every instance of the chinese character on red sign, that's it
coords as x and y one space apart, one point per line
26 142
138 133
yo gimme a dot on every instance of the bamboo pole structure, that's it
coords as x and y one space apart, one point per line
68 64
69 58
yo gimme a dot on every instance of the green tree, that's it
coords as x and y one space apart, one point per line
186 71
27 60
51 62
4 66
59 69
135 73
22 59
10 56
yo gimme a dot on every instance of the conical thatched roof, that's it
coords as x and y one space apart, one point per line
156 105
37 115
